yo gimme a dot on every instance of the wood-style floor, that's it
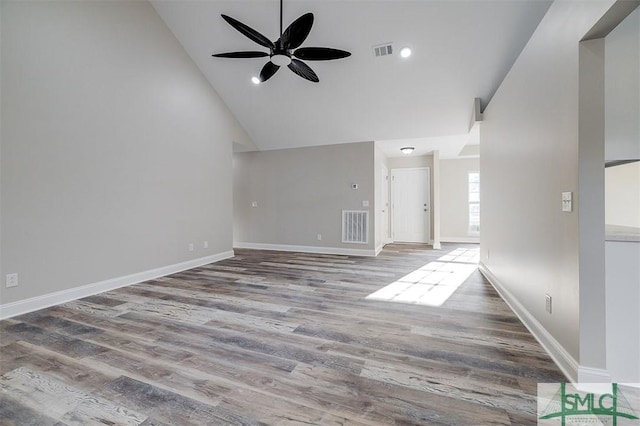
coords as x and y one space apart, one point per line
280 338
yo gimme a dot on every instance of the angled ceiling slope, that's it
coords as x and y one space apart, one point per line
461 50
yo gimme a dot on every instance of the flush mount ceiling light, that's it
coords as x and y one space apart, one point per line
407 150
286 51
405 52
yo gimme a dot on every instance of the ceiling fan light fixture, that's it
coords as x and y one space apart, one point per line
255 80
407 150
280 60
405 52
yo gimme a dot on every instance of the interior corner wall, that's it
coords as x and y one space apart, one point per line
285 198
115 150
529 152
454 199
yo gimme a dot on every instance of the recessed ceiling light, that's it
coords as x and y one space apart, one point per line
407 150
405 52
255 80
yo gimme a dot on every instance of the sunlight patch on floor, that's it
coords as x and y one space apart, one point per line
433 283
462 255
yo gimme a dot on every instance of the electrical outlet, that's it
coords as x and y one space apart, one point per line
319 237
191 247
254 204
547 303
11 280
205 244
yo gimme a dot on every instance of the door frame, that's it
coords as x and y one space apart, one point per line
386 198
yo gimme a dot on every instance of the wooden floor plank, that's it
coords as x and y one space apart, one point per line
13 412
280 338
40 392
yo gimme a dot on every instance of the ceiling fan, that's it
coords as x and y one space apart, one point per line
281 51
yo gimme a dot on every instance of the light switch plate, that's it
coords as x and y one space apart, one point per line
567 201
11 280
365 203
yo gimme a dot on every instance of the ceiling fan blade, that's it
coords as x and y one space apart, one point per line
303 70
241 55
320 53
249 32
268 71
297 32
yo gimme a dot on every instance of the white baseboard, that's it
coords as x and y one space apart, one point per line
379 249
567 364
306 249
593 375
20 307
471 240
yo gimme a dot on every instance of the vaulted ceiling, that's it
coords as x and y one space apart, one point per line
461 50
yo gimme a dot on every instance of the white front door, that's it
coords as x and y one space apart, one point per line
410 205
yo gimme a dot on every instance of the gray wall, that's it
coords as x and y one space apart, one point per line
622 86
622 195
454 199
529 152
622 198
116 152
301 193
622 125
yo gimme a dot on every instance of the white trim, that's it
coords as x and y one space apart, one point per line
567 364
305 249
593 375
435 246
463 240
20 307
380 248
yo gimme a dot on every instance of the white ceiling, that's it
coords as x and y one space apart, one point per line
461 50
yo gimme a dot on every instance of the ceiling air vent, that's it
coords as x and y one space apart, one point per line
383 50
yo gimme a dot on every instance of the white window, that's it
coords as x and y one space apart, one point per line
474 203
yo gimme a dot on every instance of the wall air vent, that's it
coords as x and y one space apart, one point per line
382 50
355 226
